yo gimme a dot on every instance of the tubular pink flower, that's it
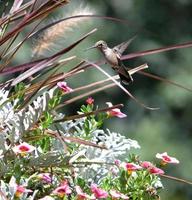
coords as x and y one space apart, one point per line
62 190
23 148
155 170
114 170
117 162
20 190
151 168
80 194
90 101
45 177
98 192
166 158
64 87
131 167
146 164
115 112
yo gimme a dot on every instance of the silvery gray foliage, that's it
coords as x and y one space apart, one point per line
3 165
72 128
6 114
48 159
18 123
6 108
14 124
117 147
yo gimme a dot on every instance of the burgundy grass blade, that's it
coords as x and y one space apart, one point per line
11 70
155 51
16 5
67 118
159 78
45 8
122 87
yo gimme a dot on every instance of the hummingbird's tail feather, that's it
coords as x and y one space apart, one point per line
126 80
124 75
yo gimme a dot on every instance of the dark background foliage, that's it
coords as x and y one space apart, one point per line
157 24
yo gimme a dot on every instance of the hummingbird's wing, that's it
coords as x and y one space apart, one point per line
124 75
119 49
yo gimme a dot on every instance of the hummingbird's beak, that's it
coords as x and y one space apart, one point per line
90 48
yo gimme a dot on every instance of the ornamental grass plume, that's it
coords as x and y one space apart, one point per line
50 37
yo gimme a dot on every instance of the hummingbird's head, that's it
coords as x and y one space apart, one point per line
102 45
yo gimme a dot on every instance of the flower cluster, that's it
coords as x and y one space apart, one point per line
94 181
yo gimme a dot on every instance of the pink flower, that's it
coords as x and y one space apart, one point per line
117 195
62 190
98 192
117 163
155 170
151 168
146 164
64 87
114 171
90 101
166 158
130 167
115 112
45 177
80 194
20 190
23 148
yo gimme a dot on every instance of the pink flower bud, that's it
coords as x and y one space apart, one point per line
64 87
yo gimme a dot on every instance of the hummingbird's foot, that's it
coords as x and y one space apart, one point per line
126 81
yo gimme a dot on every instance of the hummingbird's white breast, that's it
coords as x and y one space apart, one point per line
111 57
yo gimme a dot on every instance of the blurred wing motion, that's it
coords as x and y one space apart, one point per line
119 49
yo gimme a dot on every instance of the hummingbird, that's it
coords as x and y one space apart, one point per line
113 55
